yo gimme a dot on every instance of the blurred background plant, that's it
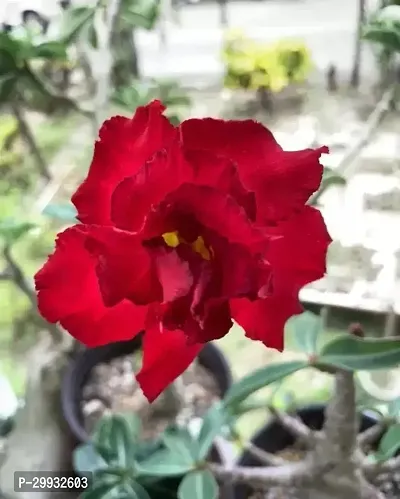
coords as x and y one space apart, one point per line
265 68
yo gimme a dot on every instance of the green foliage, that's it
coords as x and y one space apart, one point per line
123 463
12 230
305 331
78 21
8 135
199 484
384 28
140 13
140 93
256 65
350 352
330 178
213 422
17 56
64 212
75 21
260 378
389 444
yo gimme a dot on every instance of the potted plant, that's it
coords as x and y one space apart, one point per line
101 380
322 451
330 451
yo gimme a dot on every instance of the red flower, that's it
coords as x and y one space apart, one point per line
182 230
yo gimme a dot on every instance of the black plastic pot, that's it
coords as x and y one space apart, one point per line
78 371
274 438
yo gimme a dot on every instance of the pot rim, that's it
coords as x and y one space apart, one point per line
210 357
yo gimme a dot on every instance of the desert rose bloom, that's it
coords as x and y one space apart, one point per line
182 230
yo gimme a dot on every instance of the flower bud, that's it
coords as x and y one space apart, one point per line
356 329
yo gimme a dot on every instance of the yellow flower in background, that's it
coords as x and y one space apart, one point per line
260 65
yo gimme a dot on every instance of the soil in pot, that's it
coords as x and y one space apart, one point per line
274 439
112 387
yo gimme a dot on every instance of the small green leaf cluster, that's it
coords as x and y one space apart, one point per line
123 466
141 93
17 54
384 28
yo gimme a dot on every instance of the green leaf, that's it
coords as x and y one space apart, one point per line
164 463
394 408
134 424
7 87
330 176
146 448
141 13
389 444
9 45
198 485
122 440
87 459
65 212
260 378
305 329
180 441
134 490
349 352
12 230
50 50
213 422
100 490
115 437
75 21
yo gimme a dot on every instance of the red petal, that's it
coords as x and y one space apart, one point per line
221 173
285 183
166 354
282 181
211 209
297 258
246 142
124 267
135 195
264 320
124 146
173 272
301 250
68 293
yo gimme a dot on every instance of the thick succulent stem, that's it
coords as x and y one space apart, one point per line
341 425
334 467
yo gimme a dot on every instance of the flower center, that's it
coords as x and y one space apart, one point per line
174 239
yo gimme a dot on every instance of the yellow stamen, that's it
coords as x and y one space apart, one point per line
173 240
199 246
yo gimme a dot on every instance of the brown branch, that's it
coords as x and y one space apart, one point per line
16 275
294 426
370 126
370 435
289 475
372 469
263 456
